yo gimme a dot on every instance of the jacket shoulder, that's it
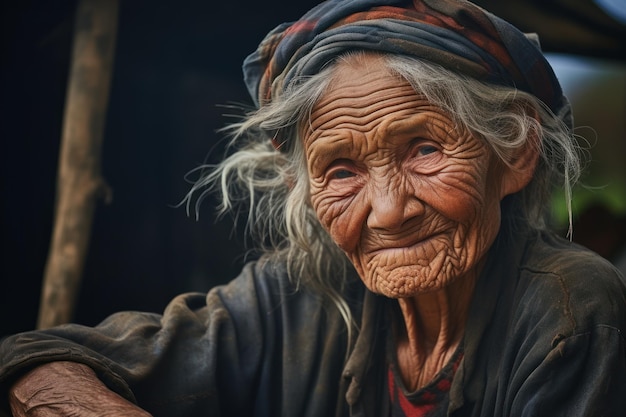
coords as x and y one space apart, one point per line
565 281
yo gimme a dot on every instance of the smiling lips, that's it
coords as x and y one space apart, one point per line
399 246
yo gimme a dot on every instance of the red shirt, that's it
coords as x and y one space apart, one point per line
429 401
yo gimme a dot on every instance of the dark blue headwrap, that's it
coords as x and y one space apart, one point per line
457 35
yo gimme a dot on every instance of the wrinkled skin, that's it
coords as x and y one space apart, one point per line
411 198
67 389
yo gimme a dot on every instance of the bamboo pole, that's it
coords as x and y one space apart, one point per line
79 182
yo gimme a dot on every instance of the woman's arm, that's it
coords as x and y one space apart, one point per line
67 389
168 364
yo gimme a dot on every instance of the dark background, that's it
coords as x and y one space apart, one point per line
175 63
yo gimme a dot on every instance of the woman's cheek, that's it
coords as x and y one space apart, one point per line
335 215
328 208
458 197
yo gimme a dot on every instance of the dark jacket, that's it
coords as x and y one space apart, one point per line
544 337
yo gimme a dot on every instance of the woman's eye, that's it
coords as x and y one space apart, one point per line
342 174
341 169
426 157
427 149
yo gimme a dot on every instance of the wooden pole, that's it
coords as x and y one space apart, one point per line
79 182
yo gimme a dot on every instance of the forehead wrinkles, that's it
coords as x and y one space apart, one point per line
360 106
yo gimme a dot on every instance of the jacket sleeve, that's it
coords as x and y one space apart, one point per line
576 363
583 375
168 364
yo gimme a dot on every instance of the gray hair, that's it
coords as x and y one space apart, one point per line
272 187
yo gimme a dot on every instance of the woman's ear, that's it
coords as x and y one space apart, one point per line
521 167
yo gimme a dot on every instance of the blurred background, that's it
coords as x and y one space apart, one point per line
175 65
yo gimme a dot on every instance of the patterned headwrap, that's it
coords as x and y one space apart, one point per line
457 35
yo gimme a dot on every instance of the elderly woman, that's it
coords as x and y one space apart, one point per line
397 170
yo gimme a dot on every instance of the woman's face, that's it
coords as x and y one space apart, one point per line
412 199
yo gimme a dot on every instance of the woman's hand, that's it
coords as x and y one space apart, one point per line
67 389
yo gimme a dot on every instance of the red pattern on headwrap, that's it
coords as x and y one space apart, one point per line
458 35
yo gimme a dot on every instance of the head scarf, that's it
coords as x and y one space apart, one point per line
457 35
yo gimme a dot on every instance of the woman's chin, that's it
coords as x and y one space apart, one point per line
407 281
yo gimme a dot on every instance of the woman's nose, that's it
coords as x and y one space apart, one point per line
392 205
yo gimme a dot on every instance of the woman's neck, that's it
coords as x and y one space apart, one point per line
429 330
